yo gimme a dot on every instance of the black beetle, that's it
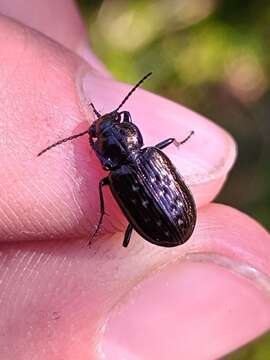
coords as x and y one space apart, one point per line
147 187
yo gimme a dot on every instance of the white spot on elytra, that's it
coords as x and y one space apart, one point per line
135 188
180 222
159 223
145 203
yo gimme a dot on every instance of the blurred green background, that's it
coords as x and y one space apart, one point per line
210 55
213 57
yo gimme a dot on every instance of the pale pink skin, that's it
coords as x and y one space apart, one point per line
61 300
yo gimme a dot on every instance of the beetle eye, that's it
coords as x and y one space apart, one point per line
92 131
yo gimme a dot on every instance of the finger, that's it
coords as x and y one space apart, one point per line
74 302
46 91
60 20
40 101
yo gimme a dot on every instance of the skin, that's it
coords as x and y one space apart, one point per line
62 300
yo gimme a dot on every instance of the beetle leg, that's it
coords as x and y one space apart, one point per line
169 141
103 182
165 143
126 116
127 235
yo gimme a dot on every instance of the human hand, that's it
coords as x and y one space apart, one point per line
62 300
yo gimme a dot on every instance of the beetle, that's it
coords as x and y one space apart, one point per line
147 187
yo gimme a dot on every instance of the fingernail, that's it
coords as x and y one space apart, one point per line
187 310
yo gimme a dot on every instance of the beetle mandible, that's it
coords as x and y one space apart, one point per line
147 187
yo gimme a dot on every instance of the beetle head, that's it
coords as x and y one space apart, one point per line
104 123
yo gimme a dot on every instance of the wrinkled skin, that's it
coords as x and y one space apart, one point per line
62 300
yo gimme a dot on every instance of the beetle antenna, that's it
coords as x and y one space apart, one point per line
132 90
98 115
62 141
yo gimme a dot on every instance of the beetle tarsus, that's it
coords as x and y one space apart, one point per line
178 143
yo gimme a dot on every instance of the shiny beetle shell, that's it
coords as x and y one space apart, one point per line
154 198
